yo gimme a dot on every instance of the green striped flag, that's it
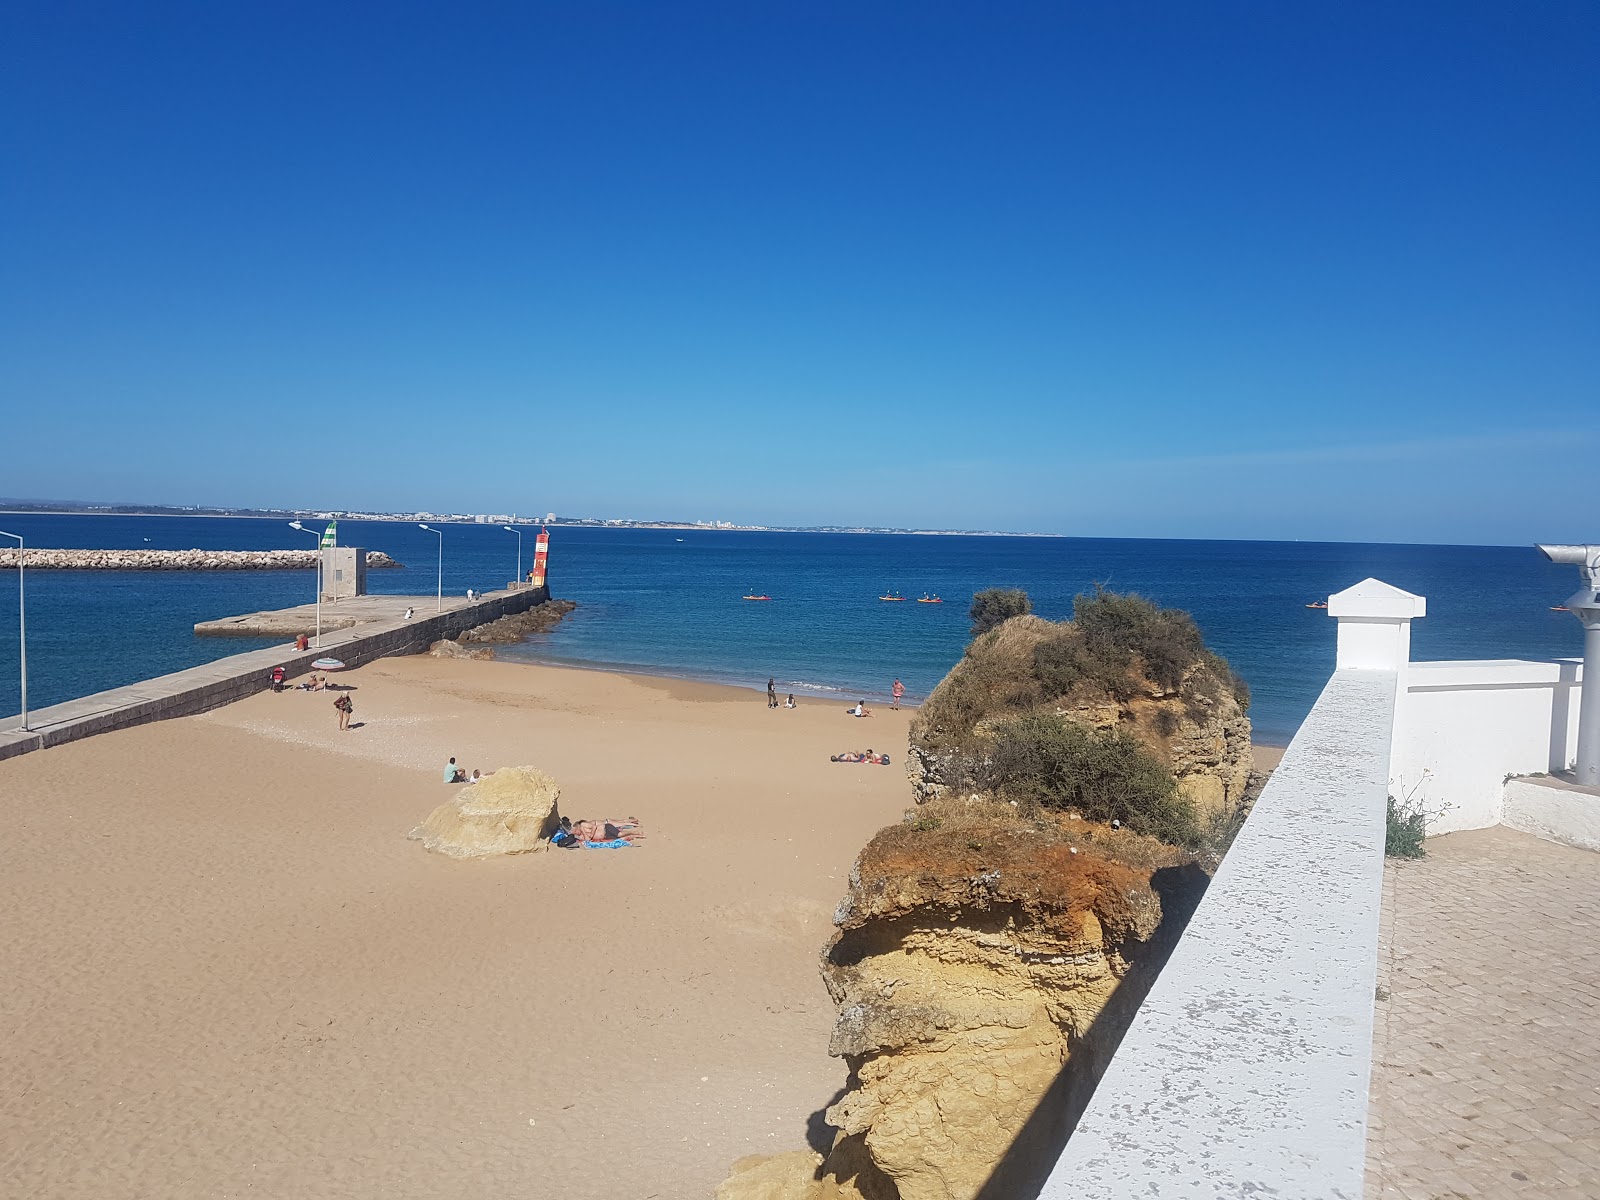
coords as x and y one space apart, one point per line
331 537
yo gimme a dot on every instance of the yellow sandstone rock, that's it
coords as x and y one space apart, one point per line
510 812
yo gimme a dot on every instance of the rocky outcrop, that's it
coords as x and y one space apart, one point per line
1188 710
510 812
177 560
515 626
445 648
984 967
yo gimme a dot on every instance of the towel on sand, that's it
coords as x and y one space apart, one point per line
613 844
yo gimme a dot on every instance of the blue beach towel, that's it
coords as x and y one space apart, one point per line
614 844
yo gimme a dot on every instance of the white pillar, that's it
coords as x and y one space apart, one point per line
1375 635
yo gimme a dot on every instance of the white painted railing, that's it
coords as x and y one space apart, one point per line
1245 1071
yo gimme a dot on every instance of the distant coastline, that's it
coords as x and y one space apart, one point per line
63 509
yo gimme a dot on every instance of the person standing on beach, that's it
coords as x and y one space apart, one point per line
345 706
897 691
772 693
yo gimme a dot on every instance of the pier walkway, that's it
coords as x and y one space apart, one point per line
1485 1079
383 631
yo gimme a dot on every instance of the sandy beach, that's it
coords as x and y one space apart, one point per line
228 973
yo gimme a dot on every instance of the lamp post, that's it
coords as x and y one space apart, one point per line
318 536
22 624
440 532
518 532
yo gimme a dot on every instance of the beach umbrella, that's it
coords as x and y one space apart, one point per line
327 664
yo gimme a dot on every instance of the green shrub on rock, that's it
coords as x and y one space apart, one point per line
995 606
1104 776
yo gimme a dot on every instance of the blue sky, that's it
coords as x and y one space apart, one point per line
1120 269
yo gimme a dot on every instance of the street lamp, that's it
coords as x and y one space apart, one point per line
440 532
318 536
518 532
22 625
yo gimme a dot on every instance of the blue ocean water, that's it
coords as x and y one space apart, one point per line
668 601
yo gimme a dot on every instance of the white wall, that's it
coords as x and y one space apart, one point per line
1464 726
1245 1071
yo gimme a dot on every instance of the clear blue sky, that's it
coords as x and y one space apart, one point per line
1265 270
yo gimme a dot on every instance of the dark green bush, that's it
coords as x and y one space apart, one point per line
994 606
1117 627
1104 776
1059 665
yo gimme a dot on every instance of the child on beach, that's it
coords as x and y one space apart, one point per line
345 706
789 703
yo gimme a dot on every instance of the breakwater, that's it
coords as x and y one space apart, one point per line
178 560
214 684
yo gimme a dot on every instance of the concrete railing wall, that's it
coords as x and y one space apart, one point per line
1245 1071
211 685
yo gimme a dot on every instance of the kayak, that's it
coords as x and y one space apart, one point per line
758 597
893 599
930 600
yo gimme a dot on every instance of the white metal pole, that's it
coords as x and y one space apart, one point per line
318 536
1588 756
518 532
440 532
22 623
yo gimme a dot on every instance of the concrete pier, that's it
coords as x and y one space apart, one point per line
385 632
347 613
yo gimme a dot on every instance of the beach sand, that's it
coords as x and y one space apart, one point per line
227 972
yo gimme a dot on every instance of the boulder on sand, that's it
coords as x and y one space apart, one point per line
510 812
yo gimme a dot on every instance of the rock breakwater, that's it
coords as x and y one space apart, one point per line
178 560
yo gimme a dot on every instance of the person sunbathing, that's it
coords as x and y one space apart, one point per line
573 833
867 756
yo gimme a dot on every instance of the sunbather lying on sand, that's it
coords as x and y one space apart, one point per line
573 833
866 756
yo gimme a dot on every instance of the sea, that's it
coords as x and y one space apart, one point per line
669 602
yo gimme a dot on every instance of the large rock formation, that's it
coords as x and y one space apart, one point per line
993 947
510 812
1149 677
984 967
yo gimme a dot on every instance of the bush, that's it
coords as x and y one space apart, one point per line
1059 665
1407 826
1117 627
995 606
1104 776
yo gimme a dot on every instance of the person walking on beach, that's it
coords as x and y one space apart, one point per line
897 691
772 693
345 706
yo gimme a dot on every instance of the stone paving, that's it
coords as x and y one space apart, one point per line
1486 1056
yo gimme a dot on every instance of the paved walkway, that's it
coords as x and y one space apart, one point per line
1486 1063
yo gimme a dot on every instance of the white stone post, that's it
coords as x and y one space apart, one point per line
1375 635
